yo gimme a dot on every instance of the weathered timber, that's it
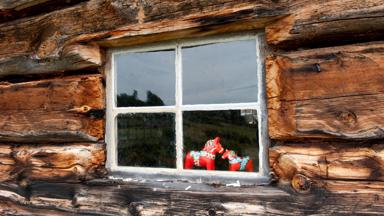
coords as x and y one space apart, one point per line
335 92
367 187
319 23
19 4
16 9
53 162
8 208
74 57
132 198
116 23
306 163
66 109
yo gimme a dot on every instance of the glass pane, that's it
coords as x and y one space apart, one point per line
145 79
146 140
237 130
220 73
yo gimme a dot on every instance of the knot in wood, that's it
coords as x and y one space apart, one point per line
82 109
301 184
212 212
348 118
135 208
23 183
317 67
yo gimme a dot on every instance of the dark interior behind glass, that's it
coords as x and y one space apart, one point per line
146 140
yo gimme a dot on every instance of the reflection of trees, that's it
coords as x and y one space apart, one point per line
125 100
145 139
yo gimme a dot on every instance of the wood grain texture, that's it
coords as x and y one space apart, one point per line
19 4
306 163
17 9
8 208
52 162
317 23
73 57
105 197
115 23
67 109
332 92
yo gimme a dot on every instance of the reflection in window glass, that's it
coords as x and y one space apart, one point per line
237 130
146 140
220 73
145 79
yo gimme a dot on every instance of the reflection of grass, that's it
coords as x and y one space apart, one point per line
154 148
146 140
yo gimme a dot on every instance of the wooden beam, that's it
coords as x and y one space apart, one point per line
19 4
367 187
65 162
319 23
67 109
17 9
9 208
106 197
332 92
306 163
110 22
74 57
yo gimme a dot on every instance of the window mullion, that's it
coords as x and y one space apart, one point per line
179 113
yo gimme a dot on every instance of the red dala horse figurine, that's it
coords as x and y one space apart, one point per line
237 163
206 157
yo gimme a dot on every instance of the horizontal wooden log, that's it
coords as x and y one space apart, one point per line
67 109
326 161
17 9
110 23
19 4
318 23
74 57
73 162
353 187
8 208
335 92
118 198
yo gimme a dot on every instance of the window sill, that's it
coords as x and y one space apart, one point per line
226 178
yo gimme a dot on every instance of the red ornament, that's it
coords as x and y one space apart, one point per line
237 163
206 157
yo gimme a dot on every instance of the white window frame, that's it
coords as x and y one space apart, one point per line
112 110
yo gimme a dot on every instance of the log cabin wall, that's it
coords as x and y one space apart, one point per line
324 77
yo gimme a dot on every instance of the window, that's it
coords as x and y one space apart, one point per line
166 100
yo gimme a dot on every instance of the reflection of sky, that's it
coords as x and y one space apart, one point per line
220 73
216 73
149 71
